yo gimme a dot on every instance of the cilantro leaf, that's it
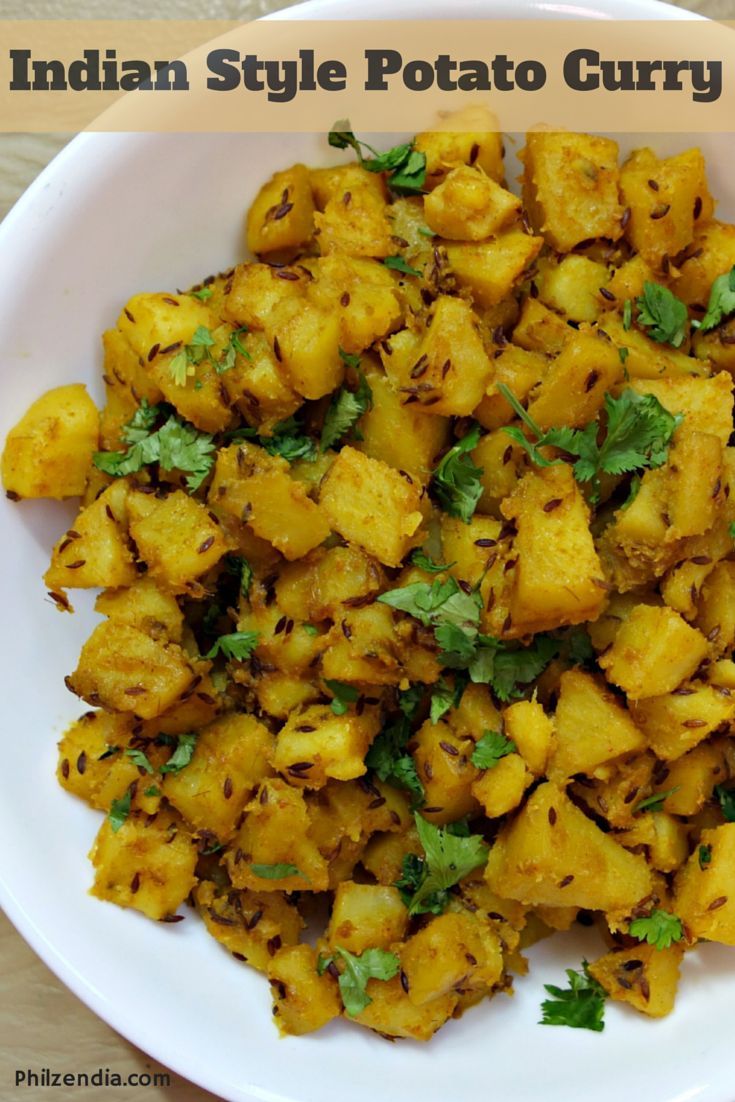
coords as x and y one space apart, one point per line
176 445
656 801
659 928
289 441
371 964
344 695
182 755
388 757
275 872
345 410
581 1006
445 696
405 165
704 856
726 797
119 811
398 264
513 668
581 651
721 302
448 858
234 347
457 479
421 559
425 601
663 314
490 749
627 314
140 759
237 646
240 568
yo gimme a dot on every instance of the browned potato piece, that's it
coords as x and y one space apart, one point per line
366 916
143 605
125 670
644 977
491 269
302 999
475 140
453 950
654 651
573 390
95 550
248 924
176 537
592 729
148 863
282 214
316 745
469 206
48 452
703 892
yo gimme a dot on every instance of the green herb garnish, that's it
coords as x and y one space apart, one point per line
448 858
490 748
457 479
659 928
581 1006
371 964
663 314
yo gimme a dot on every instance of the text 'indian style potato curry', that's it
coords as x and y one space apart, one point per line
415 545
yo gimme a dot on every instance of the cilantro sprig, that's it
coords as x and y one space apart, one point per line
490 748
406 167
277 871
175 446
663 314
388 757
371 964
721 302
287 439
182 755
581 1005
656 801
448 858
399 264
346 407
637 434
425 562
659 928
342 695
119 811
456 482
236 646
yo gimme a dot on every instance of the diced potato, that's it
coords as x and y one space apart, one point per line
646 358
334 183
688 782
231 757
366 916
491 269
176 537
468 546
453 950
275 831
674 723
392 1014
664 198
93 763
644 976
654 651
573 391
469 206
316 587
257 386
372 505
703 892
539 329
520 371
500 789
358 226
713 255
716 607
95 551
315 745
282 214
395 433
248 924
557 570
592 729
476 140
617 798
682 586
533 858
573 287
502 461
383 856
570 187
144 606
664 837
49 451
125 670
532 731
302 999
628 280
256 487
695 494
305 341
446 774
148 863
707 404
364 294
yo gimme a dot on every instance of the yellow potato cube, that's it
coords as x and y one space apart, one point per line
366 916
644 976
532 731
282 214
302 999
501 788
573 390
94 551
592 728
469 206
491 269
453 950
176 537
315 745
49 451
703 898
653 652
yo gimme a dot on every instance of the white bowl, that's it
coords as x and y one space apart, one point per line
112 215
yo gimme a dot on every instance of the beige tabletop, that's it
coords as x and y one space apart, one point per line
42 1025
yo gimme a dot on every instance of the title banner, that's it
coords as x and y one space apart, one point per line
289 75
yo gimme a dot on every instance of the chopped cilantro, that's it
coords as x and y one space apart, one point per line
663 314
581 651
176 446
627 314
445 696
398 264
275 872
388 757
659 928
119 811
731 530
490 748
421 559
371 964
726 797
234 348
705 856
182 755
240 568
456 480
311 629
139 758
721 302
656 801
152 790
343 694
448 858
345 410
237 646
638 432
581 1006
406 167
